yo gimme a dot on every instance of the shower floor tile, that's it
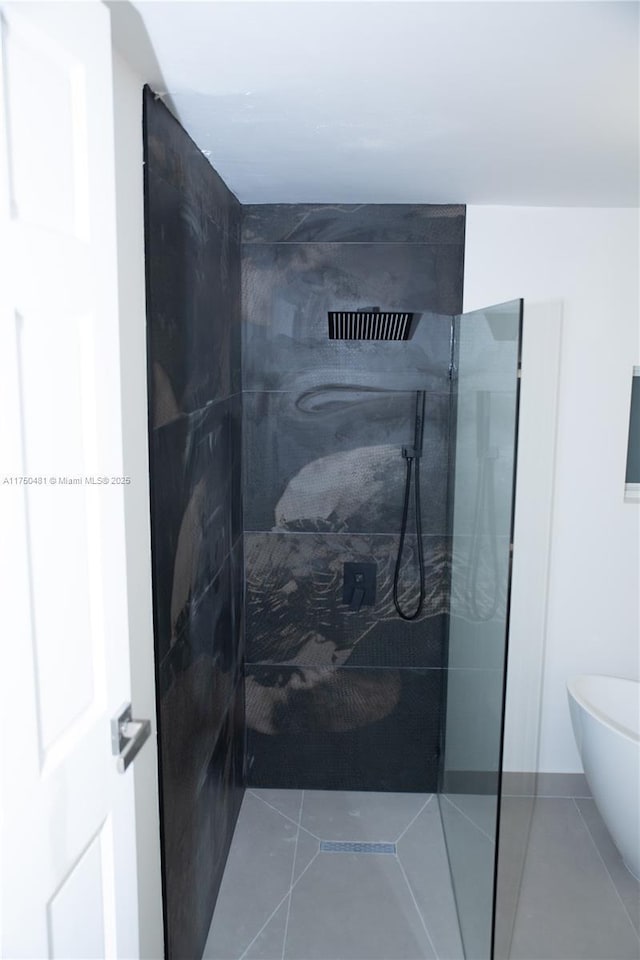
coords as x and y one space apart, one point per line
343 903
346 815
283 898
257 878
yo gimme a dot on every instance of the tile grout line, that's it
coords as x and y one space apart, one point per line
604 864
293 872
413 820
283 532
356 243
542 796
272 915
290 819
293 664
266 923
418 910
472 822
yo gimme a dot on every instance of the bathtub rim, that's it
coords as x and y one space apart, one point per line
582 700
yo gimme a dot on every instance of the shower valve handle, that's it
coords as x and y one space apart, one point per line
358 594
359 585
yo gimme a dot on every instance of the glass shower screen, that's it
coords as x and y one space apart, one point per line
484 410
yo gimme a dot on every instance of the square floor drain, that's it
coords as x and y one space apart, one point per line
344 846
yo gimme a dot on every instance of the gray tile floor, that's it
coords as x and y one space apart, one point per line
284 897
577 899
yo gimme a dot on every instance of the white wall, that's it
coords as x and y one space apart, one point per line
585 260
127 105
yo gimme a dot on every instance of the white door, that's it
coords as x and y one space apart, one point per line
69 864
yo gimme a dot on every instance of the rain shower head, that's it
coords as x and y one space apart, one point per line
370 323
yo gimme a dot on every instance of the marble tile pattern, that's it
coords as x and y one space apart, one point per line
195 351
353 223
299 261
323 478
196 491
295 609
343 728
330 459
287 290
197 843
195 418
172 154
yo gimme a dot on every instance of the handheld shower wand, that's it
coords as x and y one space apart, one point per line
412 455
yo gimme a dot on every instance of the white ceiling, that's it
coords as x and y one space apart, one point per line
398 102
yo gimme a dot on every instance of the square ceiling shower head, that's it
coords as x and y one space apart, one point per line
370 324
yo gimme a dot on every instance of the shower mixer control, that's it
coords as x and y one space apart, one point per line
359 585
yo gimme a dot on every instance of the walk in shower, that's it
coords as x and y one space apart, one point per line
331 629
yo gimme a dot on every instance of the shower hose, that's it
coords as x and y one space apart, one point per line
412 456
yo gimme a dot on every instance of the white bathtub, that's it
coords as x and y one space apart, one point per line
605 713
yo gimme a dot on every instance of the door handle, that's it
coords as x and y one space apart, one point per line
127 736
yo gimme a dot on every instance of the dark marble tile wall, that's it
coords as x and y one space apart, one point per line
338 698
288 288
195 418
335 728
330 459
296 614
353 223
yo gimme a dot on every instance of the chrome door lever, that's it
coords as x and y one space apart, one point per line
127 736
